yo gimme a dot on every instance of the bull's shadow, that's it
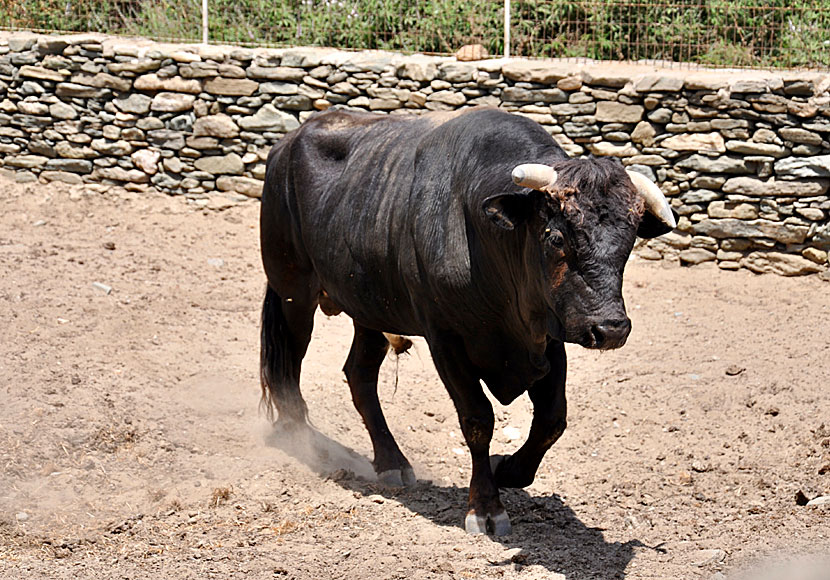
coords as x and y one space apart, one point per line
549 532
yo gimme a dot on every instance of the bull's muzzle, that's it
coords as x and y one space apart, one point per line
608 334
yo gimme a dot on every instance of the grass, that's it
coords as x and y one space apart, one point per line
777 33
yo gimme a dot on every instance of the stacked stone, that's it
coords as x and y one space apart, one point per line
743 156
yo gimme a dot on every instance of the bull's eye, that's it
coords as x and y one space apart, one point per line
554 238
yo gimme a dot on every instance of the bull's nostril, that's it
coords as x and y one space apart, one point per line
617 326
598 336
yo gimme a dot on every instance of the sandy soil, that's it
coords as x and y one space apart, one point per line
131 445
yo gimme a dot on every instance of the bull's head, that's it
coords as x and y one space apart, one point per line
585 214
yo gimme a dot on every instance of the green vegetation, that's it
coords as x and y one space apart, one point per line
782 33
785 33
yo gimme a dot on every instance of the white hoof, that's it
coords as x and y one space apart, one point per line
408 476
391 477
398 477
498 525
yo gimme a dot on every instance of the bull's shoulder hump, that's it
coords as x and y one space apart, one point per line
438 118
491 120
343 122
342 131
340 120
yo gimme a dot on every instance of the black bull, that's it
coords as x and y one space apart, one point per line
413 226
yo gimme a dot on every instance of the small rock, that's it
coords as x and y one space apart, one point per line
696 256
22 517
244 185
63 111
234 87
230 164
815 255
647 253
706 142
780 263
172 102
470 52
62 176
146 160
515 555
269 118
219 203
801 499
539 572
571 83
706 557
644 133
135 103
216 262
511 433
613 112
701 466
215 126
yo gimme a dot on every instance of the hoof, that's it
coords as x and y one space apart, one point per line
397 477
291 427
408 476
498 525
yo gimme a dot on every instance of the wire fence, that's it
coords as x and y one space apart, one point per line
734 33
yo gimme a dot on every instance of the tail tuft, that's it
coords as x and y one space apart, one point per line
279 374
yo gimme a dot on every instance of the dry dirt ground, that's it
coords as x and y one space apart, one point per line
131 445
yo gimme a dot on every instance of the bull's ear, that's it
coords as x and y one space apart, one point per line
651 226
508 210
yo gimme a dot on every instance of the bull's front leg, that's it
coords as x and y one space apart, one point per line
549 421
486 513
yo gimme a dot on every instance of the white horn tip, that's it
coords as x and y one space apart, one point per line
519 174
670 221
655 199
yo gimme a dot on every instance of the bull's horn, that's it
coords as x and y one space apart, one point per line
654 199
534 176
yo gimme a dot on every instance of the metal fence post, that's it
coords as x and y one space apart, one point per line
204 21
506 28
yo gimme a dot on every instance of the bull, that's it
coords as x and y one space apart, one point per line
473 230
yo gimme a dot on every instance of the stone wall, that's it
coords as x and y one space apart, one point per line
743 156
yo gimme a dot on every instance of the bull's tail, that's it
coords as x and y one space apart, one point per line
279 365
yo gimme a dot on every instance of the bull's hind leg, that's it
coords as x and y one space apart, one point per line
287 322
549 421
365 357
